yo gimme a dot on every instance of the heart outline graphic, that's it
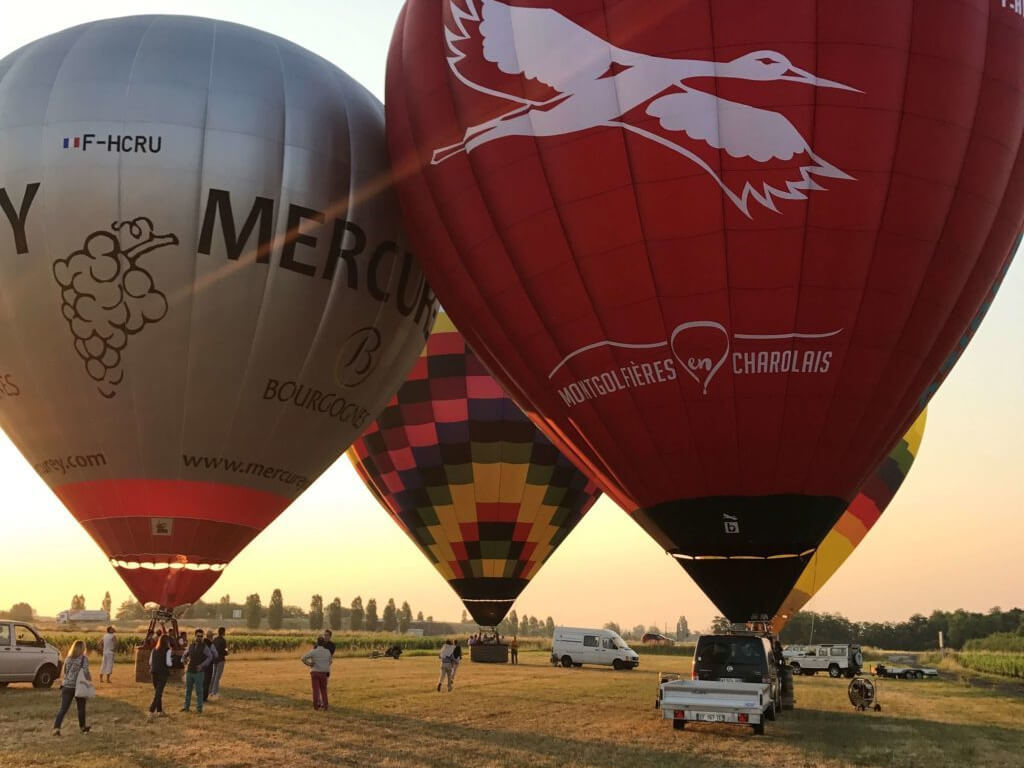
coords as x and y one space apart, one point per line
687 365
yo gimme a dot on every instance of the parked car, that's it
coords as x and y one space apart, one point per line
654 638
739 658
574 647
25 657
838 659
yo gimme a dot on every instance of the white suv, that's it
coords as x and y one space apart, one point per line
25 657
835 658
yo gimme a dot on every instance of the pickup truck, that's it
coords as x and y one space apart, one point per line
707 701
905 673
25 657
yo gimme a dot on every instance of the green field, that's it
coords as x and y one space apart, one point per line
388 713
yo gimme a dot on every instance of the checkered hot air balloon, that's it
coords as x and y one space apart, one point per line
464 472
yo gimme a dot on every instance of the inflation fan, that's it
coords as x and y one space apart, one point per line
864 694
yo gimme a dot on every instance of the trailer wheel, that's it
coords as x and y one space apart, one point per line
758 729
919 674
567 661
834 671
908 675
796 668
679 724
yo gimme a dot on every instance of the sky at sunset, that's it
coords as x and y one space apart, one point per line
952 538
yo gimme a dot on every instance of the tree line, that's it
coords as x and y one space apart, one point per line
918 633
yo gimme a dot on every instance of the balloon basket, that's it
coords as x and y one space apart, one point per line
489 654
163 617
141 661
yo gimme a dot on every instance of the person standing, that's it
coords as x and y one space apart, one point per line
160 663
330 646
319 662
76 663
513 649
220 644
109 649
456 660
447 668
208 677
196 659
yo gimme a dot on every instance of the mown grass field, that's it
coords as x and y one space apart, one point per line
388 713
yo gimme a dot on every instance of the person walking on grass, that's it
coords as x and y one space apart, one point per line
76 663
319 662
109 649
447 665
160 663
208 677
197 659
220 644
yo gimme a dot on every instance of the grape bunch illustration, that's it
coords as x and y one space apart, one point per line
107 296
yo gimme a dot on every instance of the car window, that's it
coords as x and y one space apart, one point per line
745 650
608 643
823 651
838 651
5 634
25 636
590 641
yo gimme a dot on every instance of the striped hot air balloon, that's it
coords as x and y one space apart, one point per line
464 472
856 521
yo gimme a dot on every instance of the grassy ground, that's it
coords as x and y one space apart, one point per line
387 713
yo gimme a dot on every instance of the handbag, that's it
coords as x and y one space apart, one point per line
83 688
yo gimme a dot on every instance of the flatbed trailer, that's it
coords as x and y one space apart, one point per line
705 701
904 672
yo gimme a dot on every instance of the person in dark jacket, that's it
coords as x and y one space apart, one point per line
220 644
197 658
208 677
160 664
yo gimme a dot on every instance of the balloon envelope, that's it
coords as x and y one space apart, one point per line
461 469
856 521
721 252
203 288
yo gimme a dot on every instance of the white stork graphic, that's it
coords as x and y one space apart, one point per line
596 84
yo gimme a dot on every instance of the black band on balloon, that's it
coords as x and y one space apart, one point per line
745 552
488 600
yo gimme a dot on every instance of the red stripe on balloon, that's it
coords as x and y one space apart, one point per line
98 499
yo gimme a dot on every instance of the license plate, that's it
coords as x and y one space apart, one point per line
730 679
711 717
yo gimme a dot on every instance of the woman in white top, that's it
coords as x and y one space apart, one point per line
75 664
319 662
109 648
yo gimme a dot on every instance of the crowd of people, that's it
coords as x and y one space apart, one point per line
203 660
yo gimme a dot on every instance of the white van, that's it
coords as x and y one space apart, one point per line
25 657
574 647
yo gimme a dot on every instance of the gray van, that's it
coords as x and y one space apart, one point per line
740 658
25 657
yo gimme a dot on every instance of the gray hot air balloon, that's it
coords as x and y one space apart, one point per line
205 295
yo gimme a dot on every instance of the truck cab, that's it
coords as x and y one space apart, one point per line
25 657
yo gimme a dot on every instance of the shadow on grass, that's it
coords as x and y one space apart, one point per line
852 738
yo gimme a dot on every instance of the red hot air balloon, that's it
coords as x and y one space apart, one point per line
721 252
